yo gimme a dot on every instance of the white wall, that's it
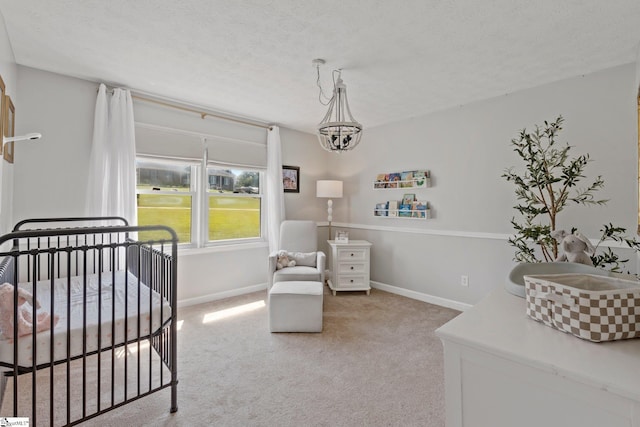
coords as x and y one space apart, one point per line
637 87
467 149
51 174
303 150
8 71
638 68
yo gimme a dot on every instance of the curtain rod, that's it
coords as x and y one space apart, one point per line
202 114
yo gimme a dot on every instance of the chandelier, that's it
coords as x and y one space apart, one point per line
338 131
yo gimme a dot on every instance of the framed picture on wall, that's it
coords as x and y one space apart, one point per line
291 179
9 121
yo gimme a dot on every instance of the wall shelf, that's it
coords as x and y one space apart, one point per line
409 207
395 213
414 183
407 179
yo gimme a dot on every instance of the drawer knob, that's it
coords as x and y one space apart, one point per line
351 280
352 254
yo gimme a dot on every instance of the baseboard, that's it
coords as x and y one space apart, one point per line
444 302
221 295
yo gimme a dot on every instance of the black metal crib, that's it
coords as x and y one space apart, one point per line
107 295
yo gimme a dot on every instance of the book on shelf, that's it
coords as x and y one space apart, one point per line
420 179
419 209
381 181
405 210
393 180
393 208
381 209
406 179
408 199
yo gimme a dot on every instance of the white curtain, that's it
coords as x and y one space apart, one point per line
275 192
111 186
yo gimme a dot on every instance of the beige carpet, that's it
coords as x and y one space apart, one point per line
377 363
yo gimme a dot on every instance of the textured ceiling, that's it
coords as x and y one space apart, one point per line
400 59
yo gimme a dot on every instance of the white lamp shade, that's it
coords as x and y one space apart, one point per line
329 188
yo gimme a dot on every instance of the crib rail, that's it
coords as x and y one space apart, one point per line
85 220
39 259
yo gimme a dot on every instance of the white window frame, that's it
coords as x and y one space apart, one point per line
200 200
192 191
207 194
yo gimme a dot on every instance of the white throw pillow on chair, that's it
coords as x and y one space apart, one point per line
308 259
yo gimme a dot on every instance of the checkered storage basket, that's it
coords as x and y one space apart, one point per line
595 308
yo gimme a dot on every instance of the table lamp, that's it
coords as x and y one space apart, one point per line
332 190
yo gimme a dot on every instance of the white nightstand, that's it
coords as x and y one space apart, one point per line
349 266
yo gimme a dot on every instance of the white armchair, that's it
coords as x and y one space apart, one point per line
302 237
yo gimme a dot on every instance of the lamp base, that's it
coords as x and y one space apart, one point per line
329 214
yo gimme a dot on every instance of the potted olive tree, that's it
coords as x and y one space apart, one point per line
551 181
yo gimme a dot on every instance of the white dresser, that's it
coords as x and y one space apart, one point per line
503 369
350 266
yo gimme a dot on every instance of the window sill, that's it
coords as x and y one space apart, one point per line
221 248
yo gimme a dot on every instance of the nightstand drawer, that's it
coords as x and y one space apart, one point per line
352 268
352 281
352 254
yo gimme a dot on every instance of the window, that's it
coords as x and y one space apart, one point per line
222 205
165 195
234 204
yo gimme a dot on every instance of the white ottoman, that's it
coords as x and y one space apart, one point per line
295 307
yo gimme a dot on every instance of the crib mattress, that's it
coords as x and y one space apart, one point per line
85 322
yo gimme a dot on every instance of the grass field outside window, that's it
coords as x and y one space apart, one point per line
167 195
233 217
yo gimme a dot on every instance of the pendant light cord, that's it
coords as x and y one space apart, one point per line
321 93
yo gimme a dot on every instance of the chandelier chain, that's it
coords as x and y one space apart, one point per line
321 92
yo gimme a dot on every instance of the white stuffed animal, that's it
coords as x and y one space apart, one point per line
577 248
283 260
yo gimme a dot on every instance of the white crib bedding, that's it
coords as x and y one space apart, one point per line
152 307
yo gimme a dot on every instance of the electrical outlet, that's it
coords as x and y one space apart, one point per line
464 280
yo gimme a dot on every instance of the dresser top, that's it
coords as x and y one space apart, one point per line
350 243
499 325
